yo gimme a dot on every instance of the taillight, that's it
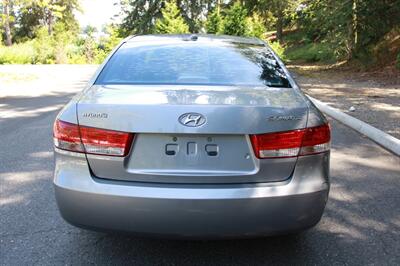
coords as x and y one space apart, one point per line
292 143
316 140
66 136
106 142
90 140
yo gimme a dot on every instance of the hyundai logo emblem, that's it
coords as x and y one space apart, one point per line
192 119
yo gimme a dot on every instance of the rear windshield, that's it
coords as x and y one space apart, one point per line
193 63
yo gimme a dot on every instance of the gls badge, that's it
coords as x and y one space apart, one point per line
95 115
283 118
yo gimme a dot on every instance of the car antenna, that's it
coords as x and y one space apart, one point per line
194 37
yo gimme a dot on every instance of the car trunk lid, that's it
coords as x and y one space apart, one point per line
167 150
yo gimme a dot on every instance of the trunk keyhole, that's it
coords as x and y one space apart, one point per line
171 149
212 149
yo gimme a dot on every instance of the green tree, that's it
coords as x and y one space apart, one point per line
112 39
235 20
44 47
280 9
214 23
171 21
51 12
139 16
62 38
90 30
6 20
30 18
255 26
68 15
352 27
33 14
193 12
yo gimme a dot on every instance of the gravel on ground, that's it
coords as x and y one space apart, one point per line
365 96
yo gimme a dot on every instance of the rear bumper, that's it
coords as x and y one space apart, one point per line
195 211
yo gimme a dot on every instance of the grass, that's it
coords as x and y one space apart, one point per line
398 61
297 47
310 52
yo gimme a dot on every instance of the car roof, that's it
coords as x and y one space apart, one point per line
160 38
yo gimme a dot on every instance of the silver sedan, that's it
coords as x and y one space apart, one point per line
193 136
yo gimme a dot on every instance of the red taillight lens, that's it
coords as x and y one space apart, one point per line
76 138
106 142
280 144
67 137
316 140
291 143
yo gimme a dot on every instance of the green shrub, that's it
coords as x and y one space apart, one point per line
112 40
214 23
255 26
76 54
398 61
100 56
22 53
43 44
311 52
79 59
235 20
278 49
64 43
171 21
297 37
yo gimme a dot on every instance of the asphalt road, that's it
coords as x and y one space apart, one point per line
361 225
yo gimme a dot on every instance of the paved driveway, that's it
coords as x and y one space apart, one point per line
361 224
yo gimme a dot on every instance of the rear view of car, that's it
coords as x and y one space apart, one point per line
205 137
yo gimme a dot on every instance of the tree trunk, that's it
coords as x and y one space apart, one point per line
6 6
50 23
353 32
355 26
279 25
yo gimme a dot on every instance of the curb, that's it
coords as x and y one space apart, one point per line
387 141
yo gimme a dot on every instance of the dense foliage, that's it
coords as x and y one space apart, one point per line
171 20
351 28
214 22
46 31
235 20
